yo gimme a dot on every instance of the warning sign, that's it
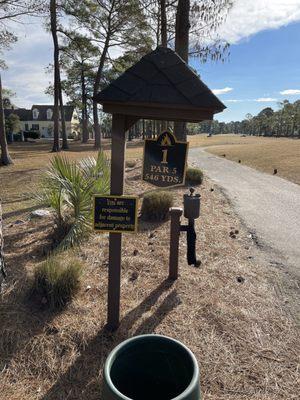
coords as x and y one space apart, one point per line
115 214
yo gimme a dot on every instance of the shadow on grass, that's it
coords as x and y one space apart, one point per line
136 177
21 320
17 213
146 226
81 380
74 146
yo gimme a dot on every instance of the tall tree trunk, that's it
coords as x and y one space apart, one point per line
164 36
182 48
53 16
64 136
5 158
163 24
182 29
97 129
85 133
2 266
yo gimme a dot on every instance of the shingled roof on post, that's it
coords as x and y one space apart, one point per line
160 86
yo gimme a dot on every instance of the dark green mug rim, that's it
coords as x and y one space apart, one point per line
116 351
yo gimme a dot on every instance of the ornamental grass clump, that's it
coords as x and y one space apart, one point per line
130 163
68 188
56 281
156 206
194 176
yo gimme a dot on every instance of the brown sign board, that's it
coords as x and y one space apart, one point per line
115 214
164 163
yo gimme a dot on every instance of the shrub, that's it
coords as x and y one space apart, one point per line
130 163
156 206
32 135
194 176
56 281
68 187
18 137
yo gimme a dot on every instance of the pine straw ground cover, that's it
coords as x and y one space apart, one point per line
245 341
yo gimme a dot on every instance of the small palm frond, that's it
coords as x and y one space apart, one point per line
68 187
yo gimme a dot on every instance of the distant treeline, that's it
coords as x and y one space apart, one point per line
282 123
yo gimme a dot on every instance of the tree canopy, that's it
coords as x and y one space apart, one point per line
283 122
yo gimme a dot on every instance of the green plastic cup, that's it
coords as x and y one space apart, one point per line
151 367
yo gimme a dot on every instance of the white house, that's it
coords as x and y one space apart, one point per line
40 119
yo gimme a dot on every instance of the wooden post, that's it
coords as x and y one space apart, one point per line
118 144
2 266
175 213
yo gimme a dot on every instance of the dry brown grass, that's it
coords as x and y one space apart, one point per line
263 154
245 342
17 182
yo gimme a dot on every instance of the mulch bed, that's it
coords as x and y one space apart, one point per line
227 310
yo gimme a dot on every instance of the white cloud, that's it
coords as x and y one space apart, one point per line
27 62
290 92
222 91
259 100
247 17
265 99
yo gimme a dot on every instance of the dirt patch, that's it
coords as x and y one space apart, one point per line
226 311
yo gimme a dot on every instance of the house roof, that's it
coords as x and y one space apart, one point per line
43 112
23 113
27 115
161 78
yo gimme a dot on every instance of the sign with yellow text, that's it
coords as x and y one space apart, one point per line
165 160
115 214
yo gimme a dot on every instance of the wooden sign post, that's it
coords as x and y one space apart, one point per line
160 86
115 239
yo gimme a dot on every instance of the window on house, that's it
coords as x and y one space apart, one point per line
49 113
35 113
26 127
35 127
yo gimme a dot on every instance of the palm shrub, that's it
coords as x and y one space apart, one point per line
194 176
68 188
156 205
56 281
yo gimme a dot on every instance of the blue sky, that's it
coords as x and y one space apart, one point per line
264 60
258 69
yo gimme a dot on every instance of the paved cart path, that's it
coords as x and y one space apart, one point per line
269 205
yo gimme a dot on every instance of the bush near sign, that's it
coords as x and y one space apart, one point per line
164 162
115 214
